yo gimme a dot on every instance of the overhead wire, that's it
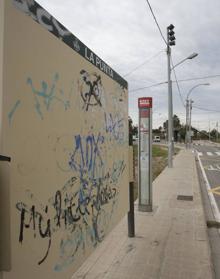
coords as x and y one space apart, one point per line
190 79
146 87
155 19
206 109
145 62
176 80
197 78
177 83
180 80
158 26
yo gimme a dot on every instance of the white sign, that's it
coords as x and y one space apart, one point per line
145 154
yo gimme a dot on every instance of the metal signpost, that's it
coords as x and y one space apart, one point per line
145 154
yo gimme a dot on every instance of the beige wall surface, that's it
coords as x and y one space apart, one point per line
1 64
65 129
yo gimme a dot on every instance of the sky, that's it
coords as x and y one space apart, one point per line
124 34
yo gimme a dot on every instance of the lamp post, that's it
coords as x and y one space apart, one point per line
191 56
189 114
171 42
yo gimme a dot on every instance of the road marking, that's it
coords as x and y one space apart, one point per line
214 206
215 190
212 167
208 153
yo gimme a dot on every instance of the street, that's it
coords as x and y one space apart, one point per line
209 155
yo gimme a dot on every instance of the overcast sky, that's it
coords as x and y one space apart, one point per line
123 33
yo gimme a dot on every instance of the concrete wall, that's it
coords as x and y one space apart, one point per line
1 63
1 73
3 210
65 128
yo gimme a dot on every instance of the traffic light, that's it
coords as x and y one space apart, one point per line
170 35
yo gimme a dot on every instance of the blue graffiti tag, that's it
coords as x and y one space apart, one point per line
45 97
114 125
48 94
86 156
12 112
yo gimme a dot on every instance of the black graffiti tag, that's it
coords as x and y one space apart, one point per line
42 17
91 96
29 218
68 210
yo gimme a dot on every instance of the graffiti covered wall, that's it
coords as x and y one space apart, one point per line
1 64
65 129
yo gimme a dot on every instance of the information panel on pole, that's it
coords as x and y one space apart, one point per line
145 154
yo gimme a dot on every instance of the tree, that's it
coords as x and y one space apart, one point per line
176 127
214 134
176 122
135 130
182 133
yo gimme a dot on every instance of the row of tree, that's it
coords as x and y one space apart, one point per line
179 131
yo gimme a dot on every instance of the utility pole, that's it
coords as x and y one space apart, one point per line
217 131
187 122
189 109
170 42
170 115
209 131
190 121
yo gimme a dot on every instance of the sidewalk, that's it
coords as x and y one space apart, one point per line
170 243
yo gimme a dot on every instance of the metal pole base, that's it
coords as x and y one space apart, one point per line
145 207
131 222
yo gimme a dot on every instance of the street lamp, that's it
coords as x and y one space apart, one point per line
170 101
189 113
200 84
191 56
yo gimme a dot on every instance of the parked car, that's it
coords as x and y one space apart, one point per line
156 139
135 138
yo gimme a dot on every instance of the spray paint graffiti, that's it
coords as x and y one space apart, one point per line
79 213
86 157
41 16
91 89
76 180
45 97
48 95
114 125
13 110
83 208
35 218
121 93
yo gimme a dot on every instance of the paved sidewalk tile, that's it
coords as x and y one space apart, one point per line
170 243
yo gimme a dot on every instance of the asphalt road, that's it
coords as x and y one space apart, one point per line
210 158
